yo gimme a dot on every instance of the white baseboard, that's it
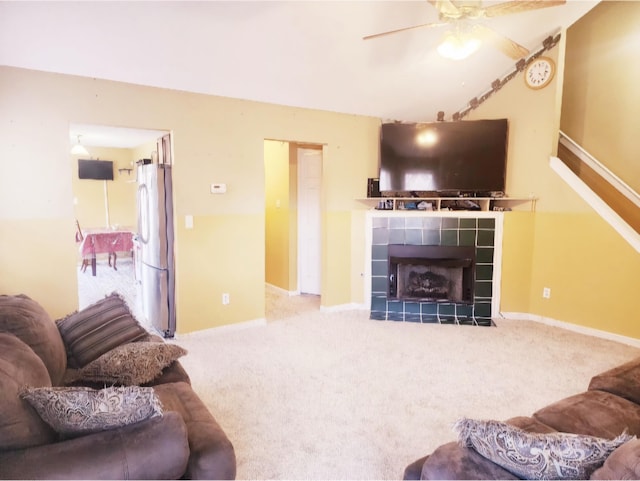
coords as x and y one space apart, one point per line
343 307
589 331
238 326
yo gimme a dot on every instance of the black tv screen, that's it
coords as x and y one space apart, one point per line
95 169
468 156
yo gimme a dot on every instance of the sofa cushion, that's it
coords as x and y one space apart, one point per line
80 410
98 328
153 449
623 463
537 455
452 461
623 381
20 425
25 318
134 363
595 413
529 424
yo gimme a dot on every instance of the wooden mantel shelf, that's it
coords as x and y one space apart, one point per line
437 204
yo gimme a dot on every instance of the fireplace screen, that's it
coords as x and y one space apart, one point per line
430 282
431 273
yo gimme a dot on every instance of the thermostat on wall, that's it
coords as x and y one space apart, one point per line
218 188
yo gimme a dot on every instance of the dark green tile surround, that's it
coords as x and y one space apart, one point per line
442 231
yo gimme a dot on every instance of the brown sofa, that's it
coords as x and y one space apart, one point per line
185 442
609 406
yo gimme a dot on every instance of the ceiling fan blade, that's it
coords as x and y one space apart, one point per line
375 35
507 46
518 6
446 9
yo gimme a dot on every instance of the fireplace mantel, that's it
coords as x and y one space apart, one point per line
438 204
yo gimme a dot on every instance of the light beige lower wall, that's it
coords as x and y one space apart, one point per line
213 244
35 255
336 263
517 253
591 271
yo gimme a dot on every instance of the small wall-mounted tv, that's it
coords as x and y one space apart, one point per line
445 158
95 169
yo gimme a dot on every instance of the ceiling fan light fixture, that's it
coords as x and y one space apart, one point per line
458 47
79 149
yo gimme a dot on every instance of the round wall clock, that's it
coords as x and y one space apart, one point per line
539 73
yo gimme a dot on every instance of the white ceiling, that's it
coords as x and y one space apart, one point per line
298 53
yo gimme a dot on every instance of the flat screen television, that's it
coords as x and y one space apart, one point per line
95 169
445 158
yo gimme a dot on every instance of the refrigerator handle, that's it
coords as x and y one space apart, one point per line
143 207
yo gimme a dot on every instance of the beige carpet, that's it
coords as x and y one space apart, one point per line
334 395
107 280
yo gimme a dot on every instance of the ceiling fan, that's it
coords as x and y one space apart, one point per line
467 34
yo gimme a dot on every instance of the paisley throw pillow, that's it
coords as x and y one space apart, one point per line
537 456
81 410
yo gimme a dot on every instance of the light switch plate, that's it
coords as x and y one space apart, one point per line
188 222
218 188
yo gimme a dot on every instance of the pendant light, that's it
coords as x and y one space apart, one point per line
79 149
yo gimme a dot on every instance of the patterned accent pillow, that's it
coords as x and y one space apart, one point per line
130 364
534 455
81 410
98 328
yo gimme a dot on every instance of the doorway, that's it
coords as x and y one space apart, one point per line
293 226
109 206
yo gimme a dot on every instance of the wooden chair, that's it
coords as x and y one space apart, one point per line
79 238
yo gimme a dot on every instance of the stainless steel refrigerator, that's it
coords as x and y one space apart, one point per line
154 240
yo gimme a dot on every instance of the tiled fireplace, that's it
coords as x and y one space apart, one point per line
433 268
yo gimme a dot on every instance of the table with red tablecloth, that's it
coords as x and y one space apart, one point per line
106 241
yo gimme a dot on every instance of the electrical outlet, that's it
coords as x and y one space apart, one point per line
225 299
546 292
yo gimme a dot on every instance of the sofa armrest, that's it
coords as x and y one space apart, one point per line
212 455
414 470
452 461
623 463
156 448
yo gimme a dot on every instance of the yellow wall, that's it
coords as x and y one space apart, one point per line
532 129
215 139
565 246
89 195
601 101
222 140
277 208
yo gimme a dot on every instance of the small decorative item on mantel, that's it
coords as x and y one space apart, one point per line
373 187
385 205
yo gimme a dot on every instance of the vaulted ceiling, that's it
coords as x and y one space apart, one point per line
298 53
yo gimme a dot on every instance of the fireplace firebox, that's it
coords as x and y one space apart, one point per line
431 273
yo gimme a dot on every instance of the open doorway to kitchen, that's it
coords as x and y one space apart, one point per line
293 227
104 189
